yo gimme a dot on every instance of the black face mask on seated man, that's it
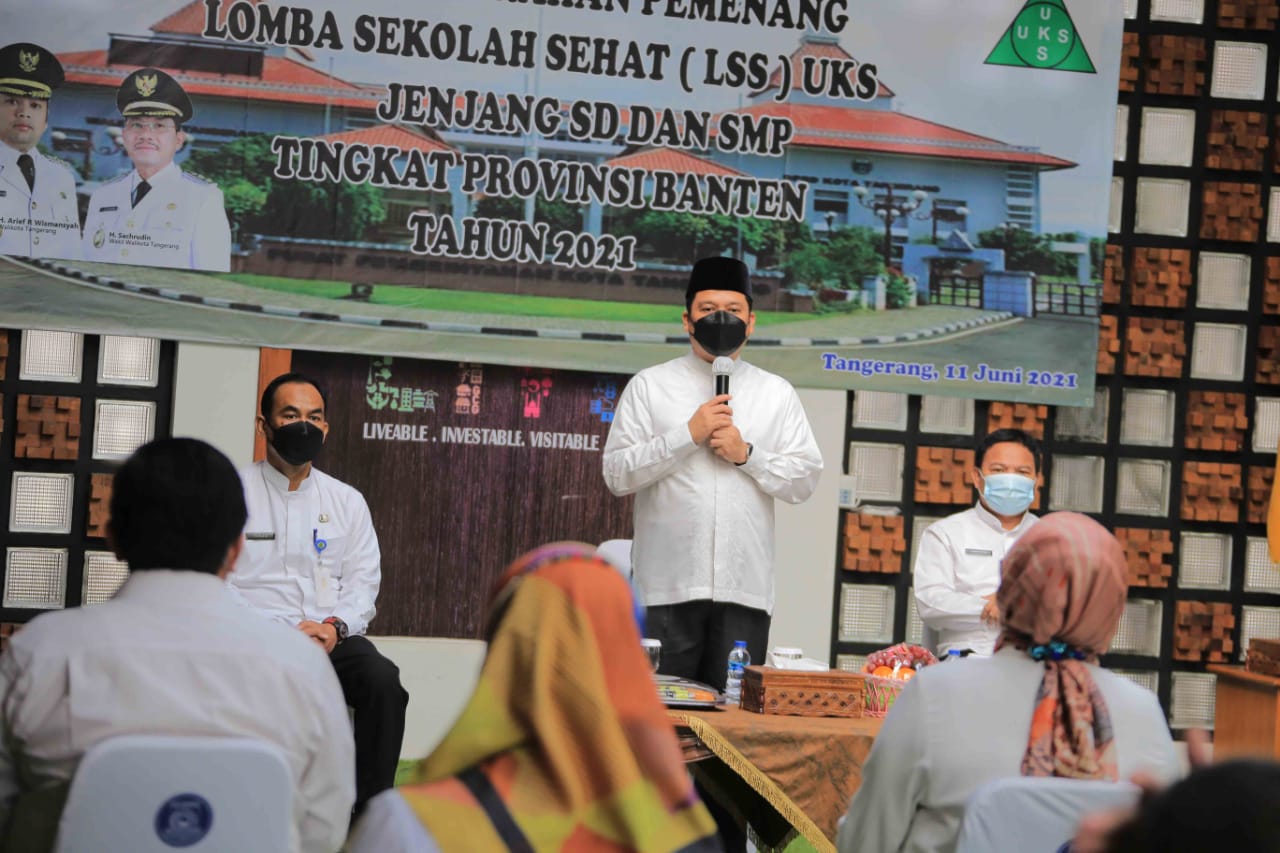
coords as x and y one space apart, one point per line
297 443
720 333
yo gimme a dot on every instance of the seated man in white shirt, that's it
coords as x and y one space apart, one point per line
311 560
173 653
957 569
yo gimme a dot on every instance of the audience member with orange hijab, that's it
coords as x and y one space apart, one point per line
564 745
1040 706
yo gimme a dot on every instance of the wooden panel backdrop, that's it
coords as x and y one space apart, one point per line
450 516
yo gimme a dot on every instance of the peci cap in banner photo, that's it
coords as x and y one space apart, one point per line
29 70
151 92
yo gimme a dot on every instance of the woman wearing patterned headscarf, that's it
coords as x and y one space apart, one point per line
1040 706
564 745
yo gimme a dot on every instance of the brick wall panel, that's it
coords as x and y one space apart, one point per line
1175 65
1238 140
48 427
873 543
1027 417
1216 420
1155 347
1160 277
942 475
1211 491
1248 14
1149 554
1232 211
1202 631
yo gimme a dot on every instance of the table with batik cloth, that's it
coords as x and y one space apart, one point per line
786 776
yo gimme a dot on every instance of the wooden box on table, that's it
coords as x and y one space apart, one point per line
767 690
1263 657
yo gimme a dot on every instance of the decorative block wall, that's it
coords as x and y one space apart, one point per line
69 406
1177 455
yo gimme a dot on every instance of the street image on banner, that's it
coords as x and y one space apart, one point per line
920 190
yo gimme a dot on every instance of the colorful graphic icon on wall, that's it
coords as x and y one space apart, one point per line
1043 36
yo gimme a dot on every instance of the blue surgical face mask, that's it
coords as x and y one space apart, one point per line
1008 494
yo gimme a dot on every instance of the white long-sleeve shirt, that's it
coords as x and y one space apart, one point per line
310 553
957 566
174 653
960 724
703 526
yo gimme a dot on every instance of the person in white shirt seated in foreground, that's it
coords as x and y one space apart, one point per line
957 566
174 653
1040 706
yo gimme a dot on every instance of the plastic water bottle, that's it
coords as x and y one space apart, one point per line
954 654
739 659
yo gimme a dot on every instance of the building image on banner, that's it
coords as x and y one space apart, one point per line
436 181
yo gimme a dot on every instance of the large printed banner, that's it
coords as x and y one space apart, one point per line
920 188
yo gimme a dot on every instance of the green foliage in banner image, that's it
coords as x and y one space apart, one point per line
1028 251
897 290
259 203
559 215
681 238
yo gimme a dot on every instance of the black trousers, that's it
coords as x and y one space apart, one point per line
371 686
698 635
696 638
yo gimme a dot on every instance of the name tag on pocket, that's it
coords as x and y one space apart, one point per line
260 537
110 209
978 552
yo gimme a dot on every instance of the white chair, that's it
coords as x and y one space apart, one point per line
1025 814
160 793
617 552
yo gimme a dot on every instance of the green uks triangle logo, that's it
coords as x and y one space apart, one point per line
1042 36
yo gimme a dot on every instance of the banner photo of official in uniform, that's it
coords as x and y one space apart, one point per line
920 190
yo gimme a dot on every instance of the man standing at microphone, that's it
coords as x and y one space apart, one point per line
705 468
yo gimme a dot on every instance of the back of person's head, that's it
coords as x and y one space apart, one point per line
1066 579
1000 436
1230 806
267 403
176 503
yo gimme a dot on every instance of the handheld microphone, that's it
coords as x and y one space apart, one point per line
722 367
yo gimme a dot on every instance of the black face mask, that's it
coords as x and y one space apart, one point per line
720 333
297 443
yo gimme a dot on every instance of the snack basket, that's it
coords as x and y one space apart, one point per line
880 694
881 691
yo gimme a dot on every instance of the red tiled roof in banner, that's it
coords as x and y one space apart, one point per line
282 79
189 21
820 49
819 126
672 160
391 135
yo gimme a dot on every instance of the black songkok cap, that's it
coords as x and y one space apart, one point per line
719 274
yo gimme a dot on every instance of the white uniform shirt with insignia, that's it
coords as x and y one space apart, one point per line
310 553
44 223
957 566
179 223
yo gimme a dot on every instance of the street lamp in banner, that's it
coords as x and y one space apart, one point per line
888 208
946 214
830 216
